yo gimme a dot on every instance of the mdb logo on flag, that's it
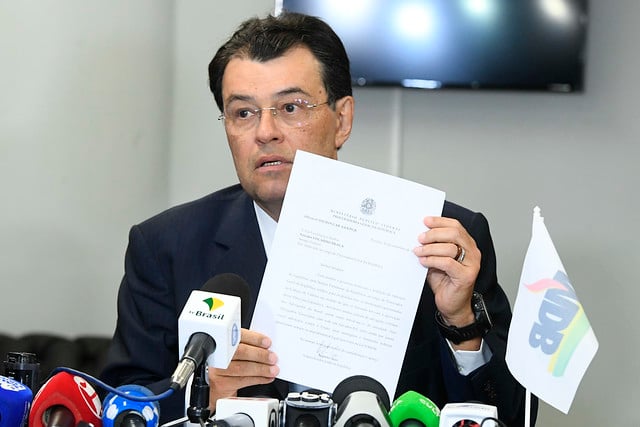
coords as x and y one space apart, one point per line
551 343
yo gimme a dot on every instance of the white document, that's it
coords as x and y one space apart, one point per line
342 284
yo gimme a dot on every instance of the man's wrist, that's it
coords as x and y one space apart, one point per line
473 331
468 345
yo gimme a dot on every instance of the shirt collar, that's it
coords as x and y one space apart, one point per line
267 227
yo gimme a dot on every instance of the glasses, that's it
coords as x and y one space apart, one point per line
293 113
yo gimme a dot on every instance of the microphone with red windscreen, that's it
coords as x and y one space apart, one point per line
65 400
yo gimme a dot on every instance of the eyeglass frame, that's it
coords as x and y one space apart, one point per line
275 111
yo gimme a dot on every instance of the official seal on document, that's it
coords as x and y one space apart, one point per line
368 206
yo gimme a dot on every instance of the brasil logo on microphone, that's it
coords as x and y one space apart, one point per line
214 305
562 322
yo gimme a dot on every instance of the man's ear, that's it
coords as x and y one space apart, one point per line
344 117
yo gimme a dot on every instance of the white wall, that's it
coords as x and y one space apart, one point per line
85 102
85 152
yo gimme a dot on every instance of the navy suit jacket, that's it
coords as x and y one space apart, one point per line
177 251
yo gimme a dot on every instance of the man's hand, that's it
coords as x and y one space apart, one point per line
253 363
450 280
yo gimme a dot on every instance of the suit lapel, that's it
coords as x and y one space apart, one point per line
243 252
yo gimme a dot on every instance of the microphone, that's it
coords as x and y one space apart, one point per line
411 409
247 412
15 399
209 325
362 402
469 414
235 420
23 367
118 411
65 400
312 408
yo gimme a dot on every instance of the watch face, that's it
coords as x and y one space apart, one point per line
480 310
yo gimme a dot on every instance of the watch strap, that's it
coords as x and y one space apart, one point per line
477 329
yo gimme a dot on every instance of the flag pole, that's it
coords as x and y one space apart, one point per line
527 408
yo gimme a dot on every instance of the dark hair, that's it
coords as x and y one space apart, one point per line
269 38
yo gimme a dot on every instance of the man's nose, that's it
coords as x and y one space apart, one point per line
268 129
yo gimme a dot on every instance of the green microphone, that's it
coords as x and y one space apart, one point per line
412 409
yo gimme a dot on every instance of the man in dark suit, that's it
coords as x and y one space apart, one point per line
282 84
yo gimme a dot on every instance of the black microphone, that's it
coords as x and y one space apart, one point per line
362 402
209 331
312 408
23 367
209 325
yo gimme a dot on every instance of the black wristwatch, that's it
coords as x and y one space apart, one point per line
479 328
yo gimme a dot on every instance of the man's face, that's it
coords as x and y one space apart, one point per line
263 152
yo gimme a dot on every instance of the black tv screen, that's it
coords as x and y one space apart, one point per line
479 44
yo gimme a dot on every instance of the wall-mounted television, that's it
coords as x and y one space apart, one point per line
475 44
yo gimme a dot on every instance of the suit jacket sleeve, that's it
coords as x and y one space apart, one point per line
168 256
492 383
144 346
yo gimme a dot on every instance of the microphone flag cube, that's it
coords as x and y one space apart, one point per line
468 413
217 315
263 411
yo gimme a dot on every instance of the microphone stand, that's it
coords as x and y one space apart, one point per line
198 411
